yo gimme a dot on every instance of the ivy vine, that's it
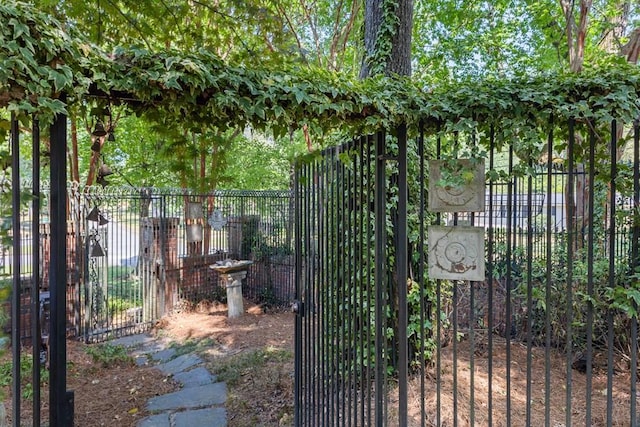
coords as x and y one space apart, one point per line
383 46
40 59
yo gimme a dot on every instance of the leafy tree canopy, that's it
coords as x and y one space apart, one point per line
239 32
40 60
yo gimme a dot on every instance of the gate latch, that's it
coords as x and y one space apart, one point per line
298 307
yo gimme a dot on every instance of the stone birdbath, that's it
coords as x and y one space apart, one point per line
231 274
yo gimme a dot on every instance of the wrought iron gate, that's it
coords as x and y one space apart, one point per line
549 336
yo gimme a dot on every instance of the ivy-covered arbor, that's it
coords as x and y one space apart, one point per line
41 59
46 66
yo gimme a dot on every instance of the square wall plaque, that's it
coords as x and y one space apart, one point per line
194 210
194 233
468 197
456 253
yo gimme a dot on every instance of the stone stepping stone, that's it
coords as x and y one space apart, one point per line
141 360
195 377
192 397
151 348
133 340
164 355
159 420
210 417
180 363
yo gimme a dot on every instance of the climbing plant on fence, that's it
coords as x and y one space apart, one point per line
347 294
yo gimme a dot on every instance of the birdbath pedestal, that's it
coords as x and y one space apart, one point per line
231 274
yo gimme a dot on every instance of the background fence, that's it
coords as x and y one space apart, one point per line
135 254
549 337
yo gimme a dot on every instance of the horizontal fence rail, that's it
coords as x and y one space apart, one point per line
547 335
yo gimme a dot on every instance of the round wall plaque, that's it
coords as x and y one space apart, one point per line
217 220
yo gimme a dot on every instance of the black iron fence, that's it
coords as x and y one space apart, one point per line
520 310
134 254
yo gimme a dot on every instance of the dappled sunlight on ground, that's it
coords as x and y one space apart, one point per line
254 329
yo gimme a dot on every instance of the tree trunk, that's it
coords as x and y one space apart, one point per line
576 31
610 42
632 48
399 60
387 27
94 163
372 20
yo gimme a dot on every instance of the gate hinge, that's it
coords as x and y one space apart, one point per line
298 307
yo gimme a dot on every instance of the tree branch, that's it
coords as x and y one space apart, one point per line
131 22
346 31
175 18
314 31
577 61
567 11
232 24
632 48
283 12
336 34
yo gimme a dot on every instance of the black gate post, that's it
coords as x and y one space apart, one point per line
380 276
60 412
35 270
16 291
297 309
402 256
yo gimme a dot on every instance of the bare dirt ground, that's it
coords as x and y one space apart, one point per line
493 390
104 395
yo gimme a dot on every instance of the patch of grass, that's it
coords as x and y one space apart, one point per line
193 346
260 384
124 288
233 368
109 355
26 369
118 305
